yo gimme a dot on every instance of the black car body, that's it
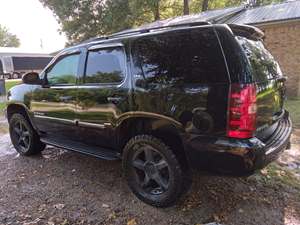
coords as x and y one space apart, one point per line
211 93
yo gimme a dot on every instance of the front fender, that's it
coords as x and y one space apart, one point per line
18 99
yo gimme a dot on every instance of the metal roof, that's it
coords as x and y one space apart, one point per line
269 13
240 15
211 16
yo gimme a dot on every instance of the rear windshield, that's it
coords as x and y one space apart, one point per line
262 62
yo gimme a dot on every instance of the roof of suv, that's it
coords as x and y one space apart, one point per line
243 30
135 32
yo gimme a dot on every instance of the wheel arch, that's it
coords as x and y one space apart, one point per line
167 130
18 108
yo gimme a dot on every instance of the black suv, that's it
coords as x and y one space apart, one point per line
165 100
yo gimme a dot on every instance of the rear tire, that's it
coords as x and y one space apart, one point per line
153 172
24 138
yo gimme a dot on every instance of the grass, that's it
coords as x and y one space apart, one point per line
2 105
293 106
8 85
11 83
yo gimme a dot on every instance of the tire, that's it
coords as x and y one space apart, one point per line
160 182
15 76
24 138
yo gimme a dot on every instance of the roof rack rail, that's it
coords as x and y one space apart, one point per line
144 30
149 29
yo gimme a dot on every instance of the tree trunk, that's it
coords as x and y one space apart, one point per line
204 5
156 11
186 8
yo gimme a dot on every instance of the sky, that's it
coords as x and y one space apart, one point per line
33 24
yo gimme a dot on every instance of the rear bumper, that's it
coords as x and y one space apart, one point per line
236 156
276 144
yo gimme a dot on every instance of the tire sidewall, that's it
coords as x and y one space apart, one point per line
15 119
175 173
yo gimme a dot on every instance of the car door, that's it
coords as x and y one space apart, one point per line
102 94
54 103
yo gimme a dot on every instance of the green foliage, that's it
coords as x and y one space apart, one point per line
293 106
7 39
84 19
2 106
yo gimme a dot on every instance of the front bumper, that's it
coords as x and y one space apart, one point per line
238 156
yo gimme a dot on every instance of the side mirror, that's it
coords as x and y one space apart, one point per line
31 78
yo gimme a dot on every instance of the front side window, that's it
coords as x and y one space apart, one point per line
105 66
64 71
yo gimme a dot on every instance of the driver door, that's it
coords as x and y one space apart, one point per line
53 104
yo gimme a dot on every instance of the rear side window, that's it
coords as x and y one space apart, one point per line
105 66
263 64
192 56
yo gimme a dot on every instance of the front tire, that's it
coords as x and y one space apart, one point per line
153 172
24 138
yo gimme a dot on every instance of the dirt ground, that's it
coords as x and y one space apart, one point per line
61 187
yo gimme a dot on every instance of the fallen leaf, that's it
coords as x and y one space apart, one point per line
59 206
105 206
131 222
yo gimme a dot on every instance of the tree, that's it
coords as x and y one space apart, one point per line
204 5
84 19
186 8
7 39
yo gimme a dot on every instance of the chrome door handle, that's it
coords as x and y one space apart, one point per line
65 98
114 100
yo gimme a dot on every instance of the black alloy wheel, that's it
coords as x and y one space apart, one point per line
151 168
21 134
24 138
153 171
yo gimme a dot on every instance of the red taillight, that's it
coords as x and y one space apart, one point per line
242 111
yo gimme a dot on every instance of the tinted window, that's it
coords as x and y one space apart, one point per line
192 56
64 71
262 62
105 66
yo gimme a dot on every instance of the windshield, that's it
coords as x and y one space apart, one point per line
262 62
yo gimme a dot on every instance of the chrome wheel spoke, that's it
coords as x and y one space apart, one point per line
26 134
146 181
139 164
20 140
148 154
161 181
161 164
26 142
17 130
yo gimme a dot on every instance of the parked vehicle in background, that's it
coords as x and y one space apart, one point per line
14 64
164 100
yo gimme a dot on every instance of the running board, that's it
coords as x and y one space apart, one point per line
98 152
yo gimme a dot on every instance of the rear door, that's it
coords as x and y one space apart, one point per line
102 94
269 81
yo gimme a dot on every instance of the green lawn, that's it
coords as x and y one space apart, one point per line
2 105
9 84
293 106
